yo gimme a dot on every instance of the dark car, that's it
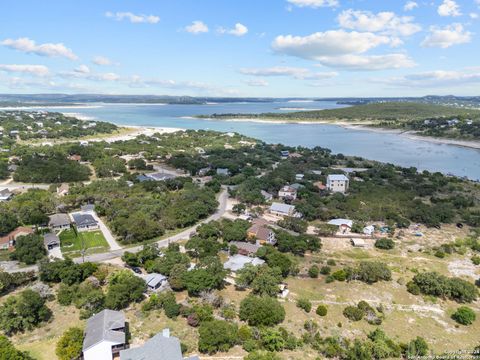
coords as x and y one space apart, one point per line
136 270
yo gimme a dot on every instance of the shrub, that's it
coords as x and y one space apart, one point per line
432 283
325 270
353 313
329 279
313 271
304 304
370 272
385 244
413 288
340 275
417 347
476 260
331 262
321 310
261 311
464 315
217 335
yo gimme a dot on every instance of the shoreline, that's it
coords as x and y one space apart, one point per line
471 144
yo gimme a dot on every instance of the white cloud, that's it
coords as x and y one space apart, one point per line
48 49
473 15
449 8
294 72
257 82
82 69
197 27
447 36
436 78
410 5
37 70
385 22
101 60
238 30
328 43
314 3
133 18
368 63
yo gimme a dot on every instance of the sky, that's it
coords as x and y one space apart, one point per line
238 48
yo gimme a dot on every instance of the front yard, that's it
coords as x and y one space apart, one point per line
72 244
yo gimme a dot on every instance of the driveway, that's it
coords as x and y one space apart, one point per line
55 253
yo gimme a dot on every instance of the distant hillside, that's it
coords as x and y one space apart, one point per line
388 111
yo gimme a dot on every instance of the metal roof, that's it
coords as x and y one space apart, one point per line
340 222
282 208
103 327
337 177
158 347
237 262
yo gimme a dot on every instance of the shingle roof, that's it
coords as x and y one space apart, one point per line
242 245
158 347
84 220
50 239
154 279
59 220
101 327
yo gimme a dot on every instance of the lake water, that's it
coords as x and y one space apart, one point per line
384 147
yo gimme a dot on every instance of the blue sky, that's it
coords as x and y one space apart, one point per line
321 48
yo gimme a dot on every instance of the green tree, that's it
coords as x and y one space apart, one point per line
265 311
124 288
29 249
9 352
217 335
23 312
69 347
313 271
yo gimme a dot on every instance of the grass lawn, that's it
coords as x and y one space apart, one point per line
71 243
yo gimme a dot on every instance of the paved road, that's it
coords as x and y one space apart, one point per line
12 266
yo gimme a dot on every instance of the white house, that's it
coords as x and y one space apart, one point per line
344 225
104 335
282 209
238 262
287 192
337 183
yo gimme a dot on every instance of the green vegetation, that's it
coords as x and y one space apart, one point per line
70 344
464 315
264 311
29 249
124 288
23 312
216 335
321 310
9 352
72 241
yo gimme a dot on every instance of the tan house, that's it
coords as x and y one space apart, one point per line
262 233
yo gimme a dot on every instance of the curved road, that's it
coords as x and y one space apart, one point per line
11 266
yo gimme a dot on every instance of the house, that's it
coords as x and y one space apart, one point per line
299 177
337 183
84 222
203 171
344 225
357 242
160 347
262 233
223 172
369 230
104 335
237 262
155 282
51 240
63 189
284 153
282 209
5 195
245 248
59 222
297 186
287 192
266 195
142 178
160 176
7 242
316 172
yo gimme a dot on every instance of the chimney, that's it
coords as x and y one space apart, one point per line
166 333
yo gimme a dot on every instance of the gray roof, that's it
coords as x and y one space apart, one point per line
282 208
87 207
84 220
59 220
154 279
243 245
104 327
223 171
158 347
160 176
50 239
5 193
337 177
237 262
